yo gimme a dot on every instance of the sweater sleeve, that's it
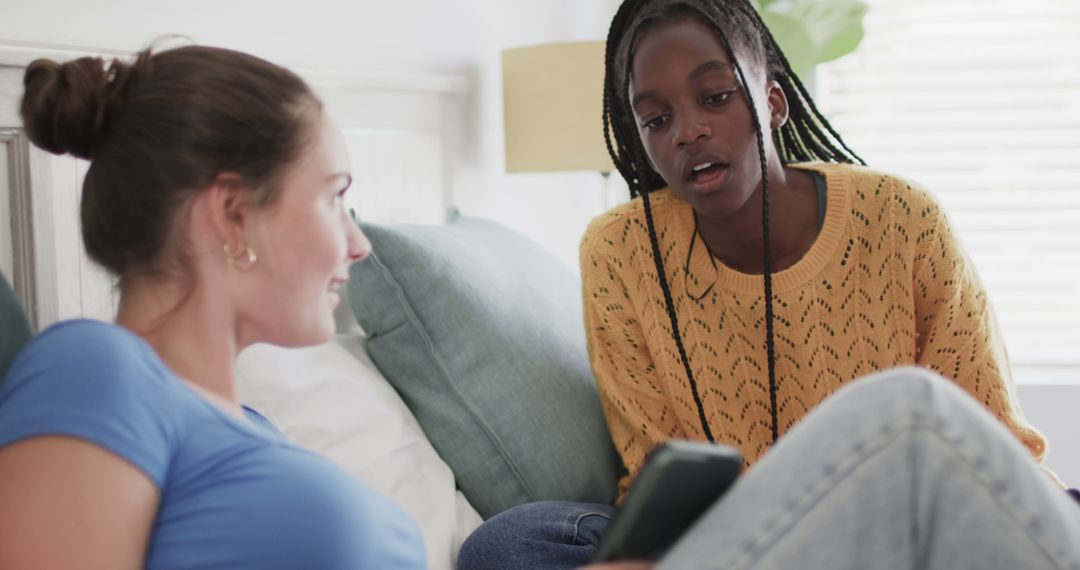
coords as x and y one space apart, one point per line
638 414
957 332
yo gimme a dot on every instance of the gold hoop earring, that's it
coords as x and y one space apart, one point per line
242 257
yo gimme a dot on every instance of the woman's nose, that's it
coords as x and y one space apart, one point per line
359 246
691 128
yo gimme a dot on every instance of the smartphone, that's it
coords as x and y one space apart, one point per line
678 483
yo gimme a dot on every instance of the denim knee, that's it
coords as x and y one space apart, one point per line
548 534
907 390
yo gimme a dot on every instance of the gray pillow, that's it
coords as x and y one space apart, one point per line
480 331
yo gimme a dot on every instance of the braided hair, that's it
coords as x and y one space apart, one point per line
806 136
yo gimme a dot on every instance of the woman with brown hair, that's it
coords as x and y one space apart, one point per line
214 194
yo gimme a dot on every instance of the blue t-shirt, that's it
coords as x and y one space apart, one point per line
234 493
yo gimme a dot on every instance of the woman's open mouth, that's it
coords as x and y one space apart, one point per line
707 177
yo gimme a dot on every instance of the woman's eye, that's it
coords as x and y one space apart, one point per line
718 98
654 122
339 194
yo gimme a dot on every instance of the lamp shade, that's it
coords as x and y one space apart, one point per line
552 100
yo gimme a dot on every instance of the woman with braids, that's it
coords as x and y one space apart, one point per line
758 270
214 194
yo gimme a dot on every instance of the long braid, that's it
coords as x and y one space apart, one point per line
807 135
670 304
804 96
794 146
759 133
770 343
610 49
665 287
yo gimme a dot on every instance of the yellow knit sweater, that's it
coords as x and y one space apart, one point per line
886 283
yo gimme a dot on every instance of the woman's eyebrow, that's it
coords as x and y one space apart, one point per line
711 65
344 176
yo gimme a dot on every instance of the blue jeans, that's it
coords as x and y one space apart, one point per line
901 470
549 535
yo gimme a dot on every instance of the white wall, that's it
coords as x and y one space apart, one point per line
1052 409
456 37
411 35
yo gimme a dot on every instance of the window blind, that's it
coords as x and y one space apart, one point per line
979 100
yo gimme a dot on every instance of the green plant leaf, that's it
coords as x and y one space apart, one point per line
794 40
834 26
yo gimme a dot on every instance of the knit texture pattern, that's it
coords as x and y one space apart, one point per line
886 283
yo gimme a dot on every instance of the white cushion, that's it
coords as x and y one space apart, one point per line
333 400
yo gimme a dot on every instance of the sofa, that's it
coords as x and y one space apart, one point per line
458 384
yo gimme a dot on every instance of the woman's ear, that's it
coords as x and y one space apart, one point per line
778 104
225 207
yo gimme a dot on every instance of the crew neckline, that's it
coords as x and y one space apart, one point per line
703 265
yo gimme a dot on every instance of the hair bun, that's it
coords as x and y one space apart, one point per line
63 108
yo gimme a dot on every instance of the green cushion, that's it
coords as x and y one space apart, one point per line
14 328
480 330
